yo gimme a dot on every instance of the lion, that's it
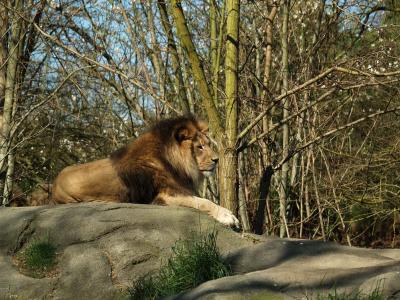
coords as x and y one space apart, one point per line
163 166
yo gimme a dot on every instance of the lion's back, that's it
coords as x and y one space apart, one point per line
93 181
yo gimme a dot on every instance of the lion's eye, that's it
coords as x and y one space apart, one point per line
200 147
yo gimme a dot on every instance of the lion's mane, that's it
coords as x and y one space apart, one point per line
157 160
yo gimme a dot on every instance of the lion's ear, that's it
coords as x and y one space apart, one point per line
182 134
203 126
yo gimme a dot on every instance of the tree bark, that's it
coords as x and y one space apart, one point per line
216 45
264 187
11 81
283 193
228 155
179 83
265 183
214 48
152 48
3 55
243 212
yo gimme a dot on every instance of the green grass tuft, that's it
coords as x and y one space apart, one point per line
192 262
40 255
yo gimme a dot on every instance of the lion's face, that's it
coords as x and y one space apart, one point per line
205 156
192 153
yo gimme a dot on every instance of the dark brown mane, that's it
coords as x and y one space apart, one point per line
165 129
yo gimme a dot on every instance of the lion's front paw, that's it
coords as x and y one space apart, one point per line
226 217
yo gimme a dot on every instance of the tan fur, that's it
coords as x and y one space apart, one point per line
97 180
162 166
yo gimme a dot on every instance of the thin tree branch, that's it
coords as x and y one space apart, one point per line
105 67
333 131
322 75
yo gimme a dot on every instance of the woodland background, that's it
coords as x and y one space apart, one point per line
302 97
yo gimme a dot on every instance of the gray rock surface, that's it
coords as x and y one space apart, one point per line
301 269
102 248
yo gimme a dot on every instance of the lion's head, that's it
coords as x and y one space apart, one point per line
188 147
205 156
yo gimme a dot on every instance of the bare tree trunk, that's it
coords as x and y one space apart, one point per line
153 53
265 184
11 81
285 128
242 197
9 180
162 75
179 83
3 56
268 48
229 158
214 48
267 171
317 198
216 45
3 71
185 75
267 73
267 69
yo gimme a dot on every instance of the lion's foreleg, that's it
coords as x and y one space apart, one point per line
220 213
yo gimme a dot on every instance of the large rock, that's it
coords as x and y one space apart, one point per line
102 248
